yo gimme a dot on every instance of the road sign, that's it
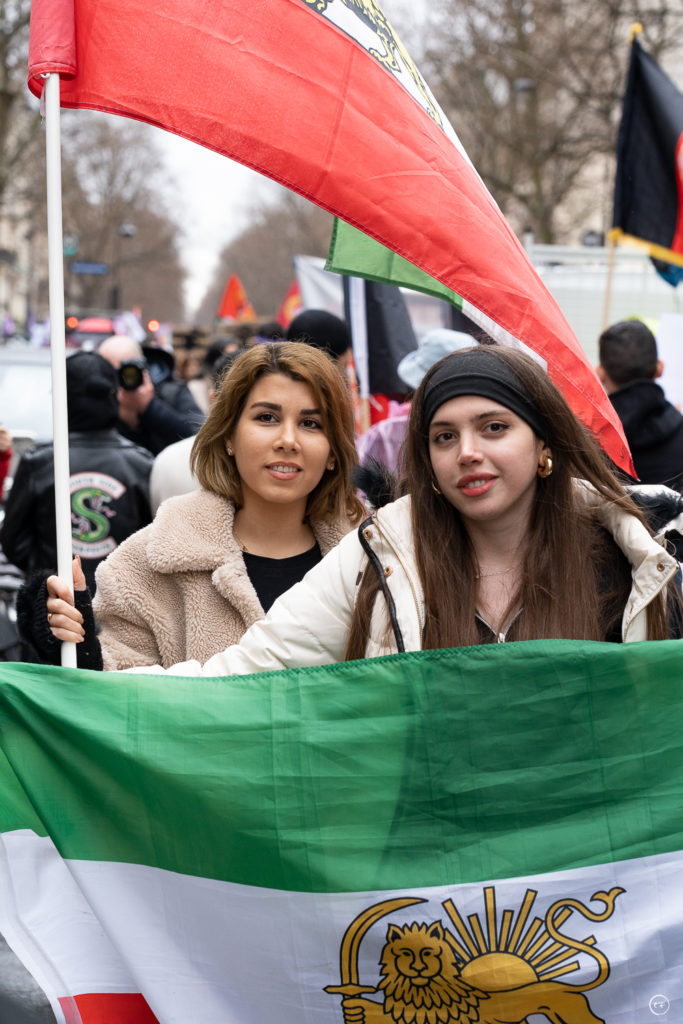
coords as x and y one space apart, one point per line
70 244
83 267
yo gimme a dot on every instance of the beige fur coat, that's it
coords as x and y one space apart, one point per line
178 589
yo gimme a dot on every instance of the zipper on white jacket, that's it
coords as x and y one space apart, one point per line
501 638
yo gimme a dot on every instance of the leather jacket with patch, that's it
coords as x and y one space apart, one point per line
109 479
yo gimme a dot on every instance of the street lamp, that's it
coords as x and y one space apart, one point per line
125 230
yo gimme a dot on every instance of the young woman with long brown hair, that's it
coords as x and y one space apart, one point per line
514 528
274 459
536 536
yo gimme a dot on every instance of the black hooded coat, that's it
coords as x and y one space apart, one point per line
654 431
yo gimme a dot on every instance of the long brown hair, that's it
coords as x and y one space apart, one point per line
567 553
334 496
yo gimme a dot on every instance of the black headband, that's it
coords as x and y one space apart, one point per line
479 372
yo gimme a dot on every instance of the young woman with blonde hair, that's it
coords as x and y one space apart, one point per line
274 459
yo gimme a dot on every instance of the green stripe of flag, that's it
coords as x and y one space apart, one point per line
421 769
353 253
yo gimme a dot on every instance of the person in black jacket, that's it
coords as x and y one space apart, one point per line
109 479
629 366
152 413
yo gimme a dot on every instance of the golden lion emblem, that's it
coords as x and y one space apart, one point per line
431 976
372 15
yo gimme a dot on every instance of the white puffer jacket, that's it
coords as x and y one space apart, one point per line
309 624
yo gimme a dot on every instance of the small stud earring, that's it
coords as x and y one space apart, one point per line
331 467
229 451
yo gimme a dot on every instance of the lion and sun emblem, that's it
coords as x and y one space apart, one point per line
390 51
498 972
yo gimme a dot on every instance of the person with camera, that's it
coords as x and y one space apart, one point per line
145 417
109 479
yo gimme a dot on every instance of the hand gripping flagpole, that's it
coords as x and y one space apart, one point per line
51 95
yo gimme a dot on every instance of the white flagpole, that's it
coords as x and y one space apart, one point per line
359 343
51 95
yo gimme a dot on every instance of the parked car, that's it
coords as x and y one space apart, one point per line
26 393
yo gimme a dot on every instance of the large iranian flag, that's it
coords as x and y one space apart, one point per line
322 96
488 835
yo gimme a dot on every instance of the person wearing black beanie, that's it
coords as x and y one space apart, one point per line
322 330
91 386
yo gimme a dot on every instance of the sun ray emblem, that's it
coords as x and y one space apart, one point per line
518 951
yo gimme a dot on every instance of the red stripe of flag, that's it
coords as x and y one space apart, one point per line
108 1008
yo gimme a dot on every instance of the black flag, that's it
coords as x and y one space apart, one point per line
648 195
390 334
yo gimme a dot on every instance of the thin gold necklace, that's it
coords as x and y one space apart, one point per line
242 546
498 572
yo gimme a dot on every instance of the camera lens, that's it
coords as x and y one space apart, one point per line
131 374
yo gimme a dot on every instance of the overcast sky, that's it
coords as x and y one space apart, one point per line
212 198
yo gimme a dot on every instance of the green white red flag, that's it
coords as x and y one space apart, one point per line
322 96
499 824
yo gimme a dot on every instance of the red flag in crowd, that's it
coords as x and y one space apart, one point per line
291 305
235 305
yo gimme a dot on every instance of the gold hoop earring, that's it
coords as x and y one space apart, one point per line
435 488
546 467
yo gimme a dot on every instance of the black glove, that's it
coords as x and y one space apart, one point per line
36 634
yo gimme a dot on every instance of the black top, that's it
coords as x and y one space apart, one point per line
270 577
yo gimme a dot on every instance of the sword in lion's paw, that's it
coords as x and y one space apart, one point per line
350 948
